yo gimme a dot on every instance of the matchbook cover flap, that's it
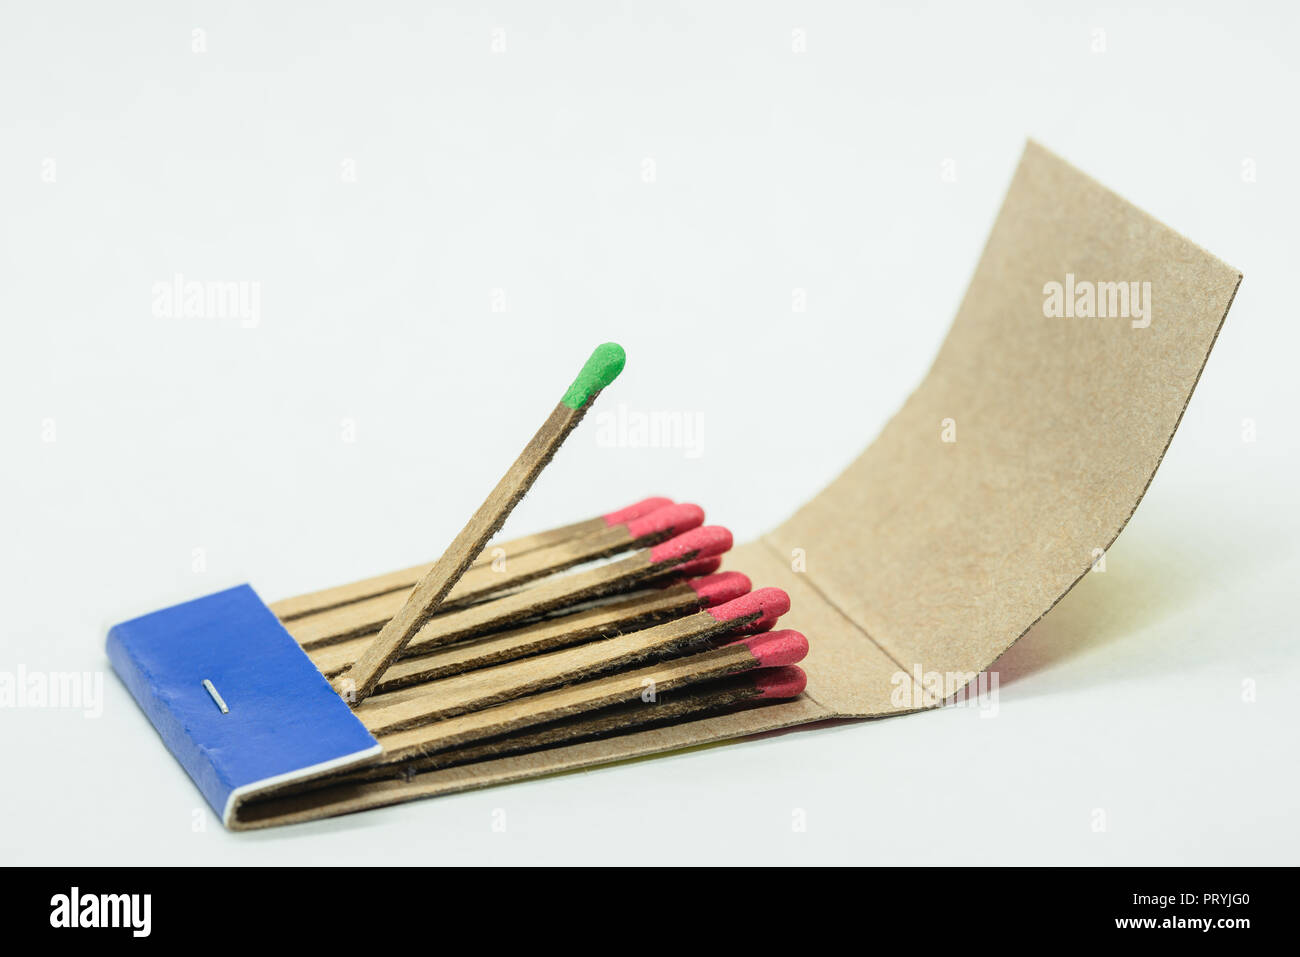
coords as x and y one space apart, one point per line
1016 463
282 720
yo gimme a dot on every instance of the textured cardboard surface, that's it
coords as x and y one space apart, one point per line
944 553
940 554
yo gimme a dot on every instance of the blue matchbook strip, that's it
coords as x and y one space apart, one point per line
284 720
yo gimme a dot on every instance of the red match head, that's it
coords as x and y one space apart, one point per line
719 589
776 648
669 520
768 604
697 543
636 510
787 682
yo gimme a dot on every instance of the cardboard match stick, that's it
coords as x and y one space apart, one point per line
711 697
600 621
601 369
367 616
539 604
436 700
566 591
760 684
768 650
288 609
659 525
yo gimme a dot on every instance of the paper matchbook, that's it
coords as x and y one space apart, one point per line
1018 459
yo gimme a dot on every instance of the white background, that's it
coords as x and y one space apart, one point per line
522 171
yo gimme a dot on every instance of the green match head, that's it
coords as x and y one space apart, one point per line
601 369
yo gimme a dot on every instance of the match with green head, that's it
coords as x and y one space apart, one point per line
601 369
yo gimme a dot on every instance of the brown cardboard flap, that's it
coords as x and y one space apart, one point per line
942 553
939 554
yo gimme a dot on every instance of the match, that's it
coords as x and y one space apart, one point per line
624 614
601 369
767 650
368 616
287 609
437 700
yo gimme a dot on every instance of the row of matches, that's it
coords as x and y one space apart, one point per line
597 627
